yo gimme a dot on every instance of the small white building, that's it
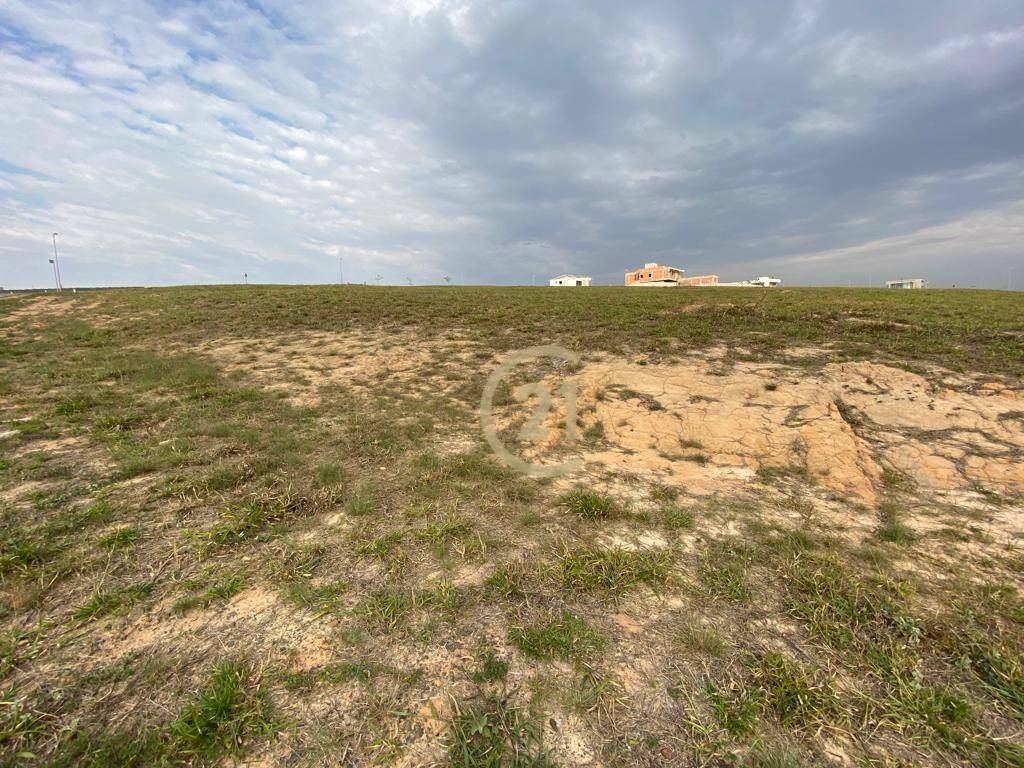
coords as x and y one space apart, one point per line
570 280
907 282
758 282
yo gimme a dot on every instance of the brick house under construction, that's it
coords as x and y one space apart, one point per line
655 275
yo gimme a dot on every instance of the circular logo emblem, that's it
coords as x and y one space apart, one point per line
533 429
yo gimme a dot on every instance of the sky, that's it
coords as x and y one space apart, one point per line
505 142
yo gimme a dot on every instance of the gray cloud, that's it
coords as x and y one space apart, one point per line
497 141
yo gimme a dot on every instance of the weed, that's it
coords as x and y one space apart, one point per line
590 505
663 495
386 547
701 638
893 479
647 401
736 707
217 588
360 505
892 530
492 668
508 582
592 691
231 711
107 601
387 607
846 611
799 697
446 597
293 562
491 733
322 599
676 519
773 475
122 538
329 475
555 636
21 554
247 520
723 572
334 674
613 570
450 532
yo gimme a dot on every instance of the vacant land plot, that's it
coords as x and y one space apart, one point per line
262 526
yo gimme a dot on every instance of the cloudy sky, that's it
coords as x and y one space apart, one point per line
494 141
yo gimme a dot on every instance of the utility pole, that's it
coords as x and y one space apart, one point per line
56 263
245 276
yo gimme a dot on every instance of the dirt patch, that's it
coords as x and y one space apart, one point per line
306 365
35 311
706 431
256 612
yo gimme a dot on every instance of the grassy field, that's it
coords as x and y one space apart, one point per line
260 523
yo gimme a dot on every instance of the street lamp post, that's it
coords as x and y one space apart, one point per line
56 263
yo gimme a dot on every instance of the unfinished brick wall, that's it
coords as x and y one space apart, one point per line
699 280
651 274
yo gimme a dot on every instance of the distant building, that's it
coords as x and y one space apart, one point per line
758 282
907 282
699 281
570 280
655 275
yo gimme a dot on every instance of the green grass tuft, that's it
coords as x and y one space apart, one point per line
105 602
492 668
612 570
589 505
723 572
701 638
224 717
218 588
122 538
555 636
491 733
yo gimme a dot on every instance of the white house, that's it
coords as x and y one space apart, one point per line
570 280
758 282
907 282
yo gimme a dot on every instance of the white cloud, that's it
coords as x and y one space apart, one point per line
178 144
107 69
820 121
934 251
